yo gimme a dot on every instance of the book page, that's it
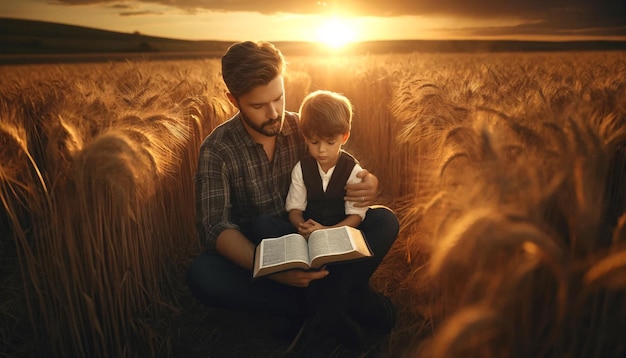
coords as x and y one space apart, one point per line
283 249
330 241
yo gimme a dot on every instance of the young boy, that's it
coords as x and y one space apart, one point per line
316 196
315 200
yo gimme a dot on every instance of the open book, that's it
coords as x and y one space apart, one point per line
323 247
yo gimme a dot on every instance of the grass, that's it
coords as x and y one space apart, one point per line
506 171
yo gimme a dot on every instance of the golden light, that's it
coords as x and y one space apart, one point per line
336 32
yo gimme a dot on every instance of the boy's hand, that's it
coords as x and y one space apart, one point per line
363 194
306 228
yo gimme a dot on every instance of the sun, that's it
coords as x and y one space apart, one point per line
336 33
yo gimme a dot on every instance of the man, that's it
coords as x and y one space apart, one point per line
244 171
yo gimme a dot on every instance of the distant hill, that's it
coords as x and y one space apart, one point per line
27 36
27 41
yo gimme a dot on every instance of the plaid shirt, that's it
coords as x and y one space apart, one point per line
235 181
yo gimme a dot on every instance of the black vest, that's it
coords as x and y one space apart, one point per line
327 208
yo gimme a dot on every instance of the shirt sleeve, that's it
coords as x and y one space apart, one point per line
213 197
350 208
296 197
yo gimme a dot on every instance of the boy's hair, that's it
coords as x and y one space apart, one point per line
247 64
325 114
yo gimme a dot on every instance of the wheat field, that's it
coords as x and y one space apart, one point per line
507 171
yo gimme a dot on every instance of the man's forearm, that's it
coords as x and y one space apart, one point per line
363 194
233 245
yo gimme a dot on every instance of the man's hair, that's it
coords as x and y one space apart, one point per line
325 114
247 65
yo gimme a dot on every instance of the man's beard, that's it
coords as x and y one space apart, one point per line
263 128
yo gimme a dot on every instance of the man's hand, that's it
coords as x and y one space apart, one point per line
364 193
298 278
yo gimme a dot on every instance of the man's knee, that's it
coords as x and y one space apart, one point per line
208 277
382 218
195 277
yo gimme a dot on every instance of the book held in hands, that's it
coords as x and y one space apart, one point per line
293 251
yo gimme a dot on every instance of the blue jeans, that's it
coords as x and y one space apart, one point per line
217 282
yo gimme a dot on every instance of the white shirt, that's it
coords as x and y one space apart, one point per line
296 198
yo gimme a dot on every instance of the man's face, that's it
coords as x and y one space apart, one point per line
263 108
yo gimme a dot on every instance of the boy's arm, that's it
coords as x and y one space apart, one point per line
296 196
295 217
365 193
311 225
353 220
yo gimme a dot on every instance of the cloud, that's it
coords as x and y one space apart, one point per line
539 15
132 10
140 13
122 6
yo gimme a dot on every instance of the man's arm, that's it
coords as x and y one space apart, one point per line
213 195
233 245
364 193
298 278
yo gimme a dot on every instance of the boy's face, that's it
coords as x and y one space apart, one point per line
263 108
326 150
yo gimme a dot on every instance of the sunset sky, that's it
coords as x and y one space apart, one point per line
349 20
